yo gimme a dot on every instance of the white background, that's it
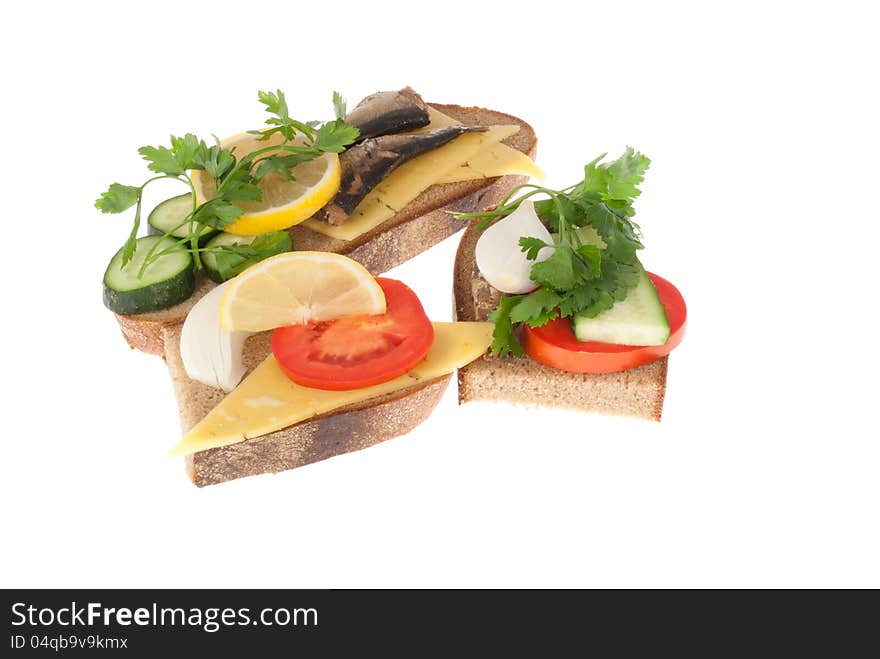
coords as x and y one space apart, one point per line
761 120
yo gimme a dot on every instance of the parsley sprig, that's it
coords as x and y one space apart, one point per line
232 259
590 269
235 179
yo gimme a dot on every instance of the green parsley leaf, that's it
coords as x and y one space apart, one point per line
618 234
335 136
187 149
576 299
161 159
185 153
282 164
531 246
217 213
557 273
215 160
129 248
233 259
276 104
339 106
559 212
625 173
615 183
592 255
224 213
118 198
504 341
595 178
537 308
243 192
228 262
271 243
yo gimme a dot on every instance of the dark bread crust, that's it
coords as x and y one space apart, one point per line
145 332
423 223
343 431
637 392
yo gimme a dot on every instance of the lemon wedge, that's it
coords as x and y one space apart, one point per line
285 202
296 288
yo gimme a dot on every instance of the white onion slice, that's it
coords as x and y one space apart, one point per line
211 355
499 257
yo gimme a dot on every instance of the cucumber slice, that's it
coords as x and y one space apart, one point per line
638 320
167 216
209 259
167 281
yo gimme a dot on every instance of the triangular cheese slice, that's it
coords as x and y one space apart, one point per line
267 400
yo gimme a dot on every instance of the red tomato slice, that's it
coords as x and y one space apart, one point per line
555 345
358 351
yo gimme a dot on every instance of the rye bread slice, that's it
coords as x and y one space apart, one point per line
347 429
637 392
423 223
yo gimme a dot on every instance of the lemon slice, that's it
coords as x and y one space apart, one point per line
285 202
296 288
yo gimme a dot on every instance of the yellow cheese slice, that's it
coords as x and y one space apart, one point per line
436 119
412 178
267 400
495 160
492 160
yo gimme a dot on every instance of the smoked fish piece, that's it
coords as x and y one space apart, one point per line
366 164
385 113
